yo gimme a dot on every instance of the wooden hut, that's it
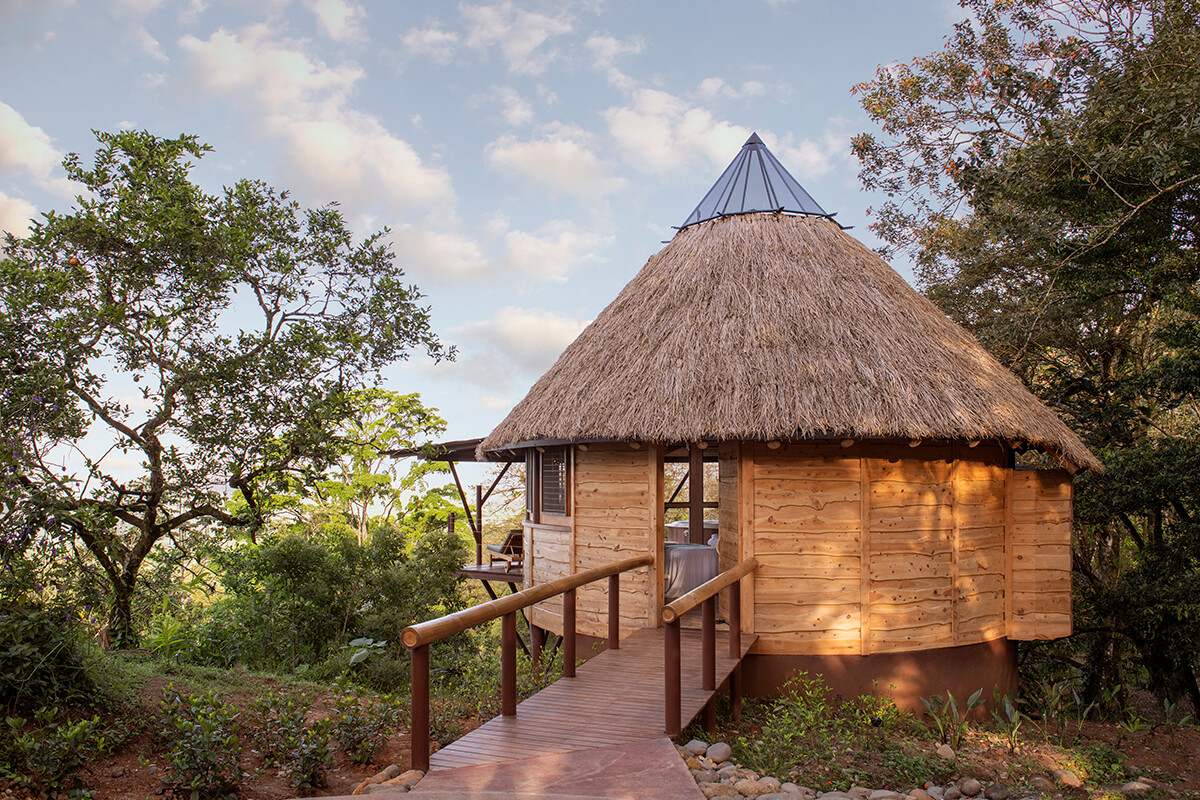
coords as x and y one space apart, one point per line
864 445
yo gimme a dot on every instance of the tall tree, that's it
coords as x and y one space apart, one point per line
1043 170
173 345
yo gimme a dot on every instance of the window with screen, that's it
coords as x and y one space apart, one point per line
555 484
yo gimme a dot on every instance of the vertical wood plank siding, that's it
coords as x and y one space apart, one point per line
615 511
1041 542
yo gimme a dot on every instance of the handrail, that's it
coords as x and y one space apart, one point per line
681 605
436 629
418 638
704 595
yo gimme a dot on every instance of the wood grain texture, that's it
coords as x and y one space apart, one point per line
1041 554
615 508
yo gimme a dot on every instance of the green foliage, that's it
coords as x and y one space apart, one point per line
951 721
41 659
201 730
1043 169
244 322
1007 716
283 736
818 742
362 726
1098 763
55 754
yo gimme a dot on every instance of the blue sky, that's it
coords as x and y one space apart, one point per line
528 157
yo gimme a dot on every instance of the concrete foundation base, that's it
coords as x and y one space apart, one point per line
906 677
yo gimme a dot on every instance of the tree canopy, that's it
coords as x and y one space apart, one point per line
1043 170
169 345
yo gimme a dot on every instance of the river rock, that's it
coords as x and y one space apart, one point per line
952 793
1067 777
996 791
970 787
706 776
887 794
1136 787
718 790
696 747
1041 784
771 783
719 752
947 752
920 794
749 788
936 792
859 792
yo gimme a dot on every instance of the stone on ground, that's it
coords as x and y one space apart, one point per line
719 752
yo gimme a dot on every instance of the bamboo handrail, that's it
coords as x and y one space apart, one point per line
676 609
436 629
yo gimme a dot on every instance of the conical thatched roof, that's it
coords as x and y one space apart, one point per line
767 326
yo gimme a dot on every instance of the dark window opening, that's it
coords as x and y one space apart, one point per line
555 485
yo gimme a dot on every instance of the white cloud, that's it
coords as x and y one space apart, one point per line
516 110
149 44
660 132
561 161
333 149
811 157
605 51
438 254
432 42
136 7
28 149
714 88
510 348
339 19
15 215
553 251
520 34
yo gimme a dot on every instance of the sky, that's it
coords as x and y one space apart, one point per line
528 157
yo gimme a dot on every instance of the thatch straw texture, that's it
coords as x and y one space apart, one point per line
766 326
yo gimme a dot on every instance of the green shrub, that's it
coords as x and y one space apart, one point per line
308 758
203 759
41 659
362 726
56 753
277 724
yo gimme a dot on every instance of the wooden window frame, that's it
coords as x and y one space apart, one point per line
547 504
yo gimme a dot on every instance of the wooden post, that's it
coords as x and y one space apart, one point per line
508 665
674 695
568 633
695 494
710 715
537 639
420 708
708 644
735 620
735 651
478 524
614 612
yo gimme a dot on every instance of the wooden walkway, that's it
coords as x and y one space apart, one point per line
616 698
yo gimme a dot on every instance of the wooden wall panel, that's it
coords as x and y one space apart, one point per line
1041 554
911 547
806 517
728 523
547 556
979 511
614 515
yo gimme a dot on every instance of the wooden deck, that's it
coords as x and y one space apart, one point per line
616 698
493 572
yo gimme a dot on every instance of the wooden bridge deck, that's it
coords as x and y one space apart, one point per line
615 698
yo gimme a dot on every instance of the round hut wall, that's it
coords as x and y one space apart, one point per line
912 566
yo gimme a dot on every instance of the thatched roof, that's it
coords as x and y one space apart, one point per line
768 326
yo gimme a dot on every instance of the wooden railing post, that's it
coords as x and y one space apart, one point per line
420 708
674 696
708 644
614 612
508 665
568 642
735 651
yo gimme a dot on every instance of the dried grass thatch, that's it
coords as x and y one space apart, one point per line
766 326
